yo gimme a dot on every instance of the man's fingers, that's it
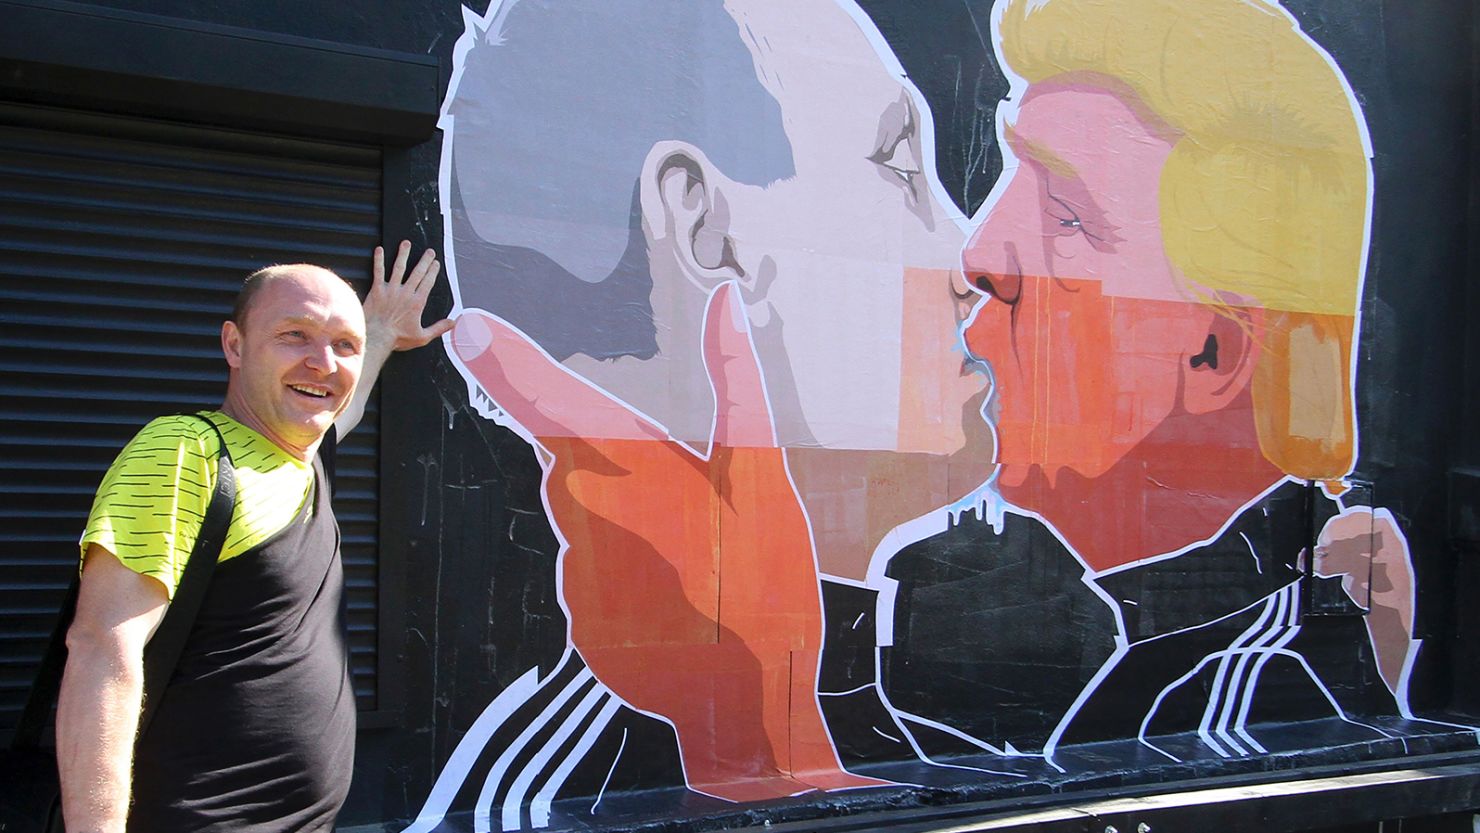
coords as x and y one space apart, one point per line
403 253
377 267
424 335
424 276
539 392
742 416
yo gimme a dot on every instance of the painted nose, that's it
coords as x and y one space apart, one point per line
996 274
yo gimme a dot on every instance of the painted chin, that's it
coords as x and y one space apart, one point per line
1012 441
1010 477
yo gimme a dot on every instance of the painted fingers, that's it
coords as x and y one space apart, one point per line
550 400
742 415
536 390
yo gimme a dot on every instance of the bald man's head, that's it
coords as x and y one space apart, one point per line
259 279
295 348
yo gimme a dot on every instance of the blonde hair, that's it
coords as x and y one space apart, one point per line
1266 192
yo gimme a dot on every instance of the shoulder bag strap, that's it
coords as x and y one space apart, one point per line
162 653
48 678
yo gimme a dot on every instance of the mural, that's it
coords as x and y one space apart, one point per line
854 490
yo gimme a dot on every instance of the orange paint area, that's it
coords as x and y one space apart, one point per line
692 594
1091 411
933 389
1303 390
1082 378
1076 373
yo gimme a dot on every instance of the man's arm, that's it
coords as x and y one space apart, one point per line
393 310
102 689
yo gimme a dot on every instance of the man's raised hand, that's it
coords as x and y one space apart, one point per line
393 310
395 304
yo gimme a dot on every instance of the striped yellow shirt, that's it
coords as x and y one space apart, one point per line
152 502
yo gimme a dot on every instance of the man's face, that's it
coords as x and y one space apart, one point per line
296 358
1087 326
852 305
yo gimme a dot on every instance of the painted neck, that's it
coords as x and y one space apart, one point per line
856 497
1178 487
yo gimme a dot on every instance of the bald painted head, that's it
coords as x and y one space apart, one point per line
294 345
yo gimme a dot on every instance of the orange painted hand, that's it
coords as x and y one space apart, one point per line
689 580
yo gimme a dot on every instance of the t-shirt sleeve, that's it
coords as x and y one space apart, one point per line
151 504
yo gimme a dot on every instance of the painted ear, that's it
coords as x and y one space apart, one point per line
1216 371
687 215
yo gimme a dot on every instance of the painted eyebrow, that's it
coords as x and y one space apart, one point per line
1040 153
1079 194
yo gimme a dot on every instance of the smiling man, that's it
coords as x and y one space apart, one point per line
255 731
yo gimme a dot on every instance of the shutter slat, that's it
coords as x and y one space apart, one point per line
122 244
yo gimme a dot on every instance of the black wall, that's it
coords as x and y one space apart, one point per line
467 547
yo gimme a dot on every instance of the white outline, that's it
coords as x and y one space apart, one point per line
483 810
468 750
514 801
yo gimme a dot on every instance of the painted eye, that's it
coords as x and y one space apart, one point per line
1066 216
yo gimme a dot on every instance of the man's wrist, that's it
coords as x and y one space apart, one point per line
379 341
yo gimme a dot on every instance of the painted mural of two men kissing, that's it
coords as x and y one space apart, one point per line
762 356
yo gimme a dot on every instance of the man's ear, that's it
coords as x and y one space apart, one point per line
1215 372
231 344
687 215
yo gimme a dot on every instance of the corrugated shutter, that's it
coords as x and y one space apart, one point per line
122 243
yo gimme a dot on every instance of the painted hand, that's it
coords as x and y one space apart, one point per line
394 306
1369 552
688 578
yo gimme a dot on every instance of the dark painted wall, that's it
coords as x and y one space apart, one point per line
468 545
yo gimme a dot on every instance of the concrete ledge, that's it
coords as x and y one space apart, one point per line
1304 800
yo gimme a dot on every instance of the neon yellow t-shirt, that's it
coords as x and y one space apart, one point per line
150 506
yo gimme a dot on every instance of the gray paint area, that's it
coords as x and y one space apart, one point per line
555 111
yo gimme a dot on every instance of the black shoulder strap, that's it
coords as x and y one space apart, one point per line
163 651
48 678
329 455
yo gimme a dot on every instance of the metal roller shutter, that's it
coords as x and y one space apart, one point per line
122 243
